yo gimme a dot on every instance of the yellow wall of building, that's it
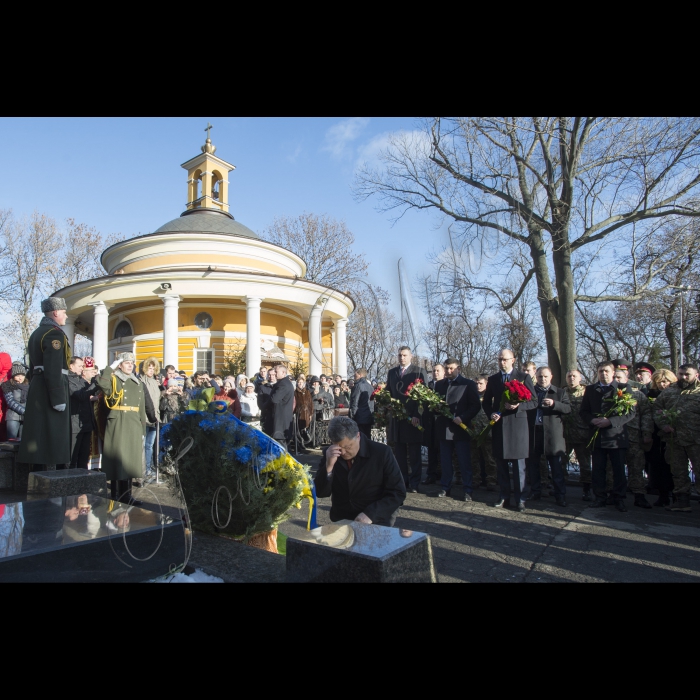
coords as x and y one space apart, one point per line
170 261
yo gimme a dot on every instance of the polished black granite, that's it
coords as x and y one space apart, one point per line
353 552
86 538
65 482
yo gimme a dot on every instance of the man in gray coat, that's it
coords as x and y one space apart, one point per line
511 443
360 405
547 434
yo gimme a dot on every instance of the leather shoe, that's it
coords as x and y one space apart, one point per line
521 506
412 489
561 502
599 503
502 504
641 501
466 497
620 505
444 493
429 480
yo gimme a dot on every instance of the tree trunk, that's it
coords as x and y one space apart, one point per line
547 303
564 279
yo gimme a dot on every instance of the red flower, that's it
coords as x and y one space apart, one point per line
411 385
518 391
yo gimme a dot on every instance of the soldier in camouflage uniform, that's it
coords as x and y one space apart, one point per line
577 432
682 435
641 436
486 450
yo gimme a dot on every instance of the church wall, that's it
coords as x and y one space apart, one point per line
158 262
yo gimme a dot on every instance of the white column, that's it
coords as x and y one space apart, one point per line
100 336
170 329
69 330
334 354
315 350
342 351
252 348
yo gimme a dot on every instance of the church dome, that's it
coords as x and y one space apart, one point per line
206 221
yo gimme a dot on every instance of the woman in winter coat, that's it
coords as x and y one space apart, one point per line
5 367
15 393
124 396
229 394
151 370
250 411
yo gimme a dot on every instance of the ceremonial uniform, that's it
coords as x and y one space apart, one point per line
684 444
123 452
46 436
577 437
485 452
638 429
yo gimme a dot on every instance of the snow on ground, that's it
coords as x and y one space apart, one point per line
197 577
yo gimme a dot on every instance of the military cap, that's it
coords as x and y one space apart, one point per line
622 364
88 362
126 357
641 366
18 368
53 304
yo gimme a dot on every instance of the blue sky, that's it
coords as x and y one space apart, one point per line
123 175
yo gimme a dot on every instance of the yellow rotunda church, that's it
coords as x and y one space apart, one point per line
203 285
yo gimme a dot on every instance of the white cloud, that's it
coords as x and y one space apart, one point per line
369 153
341 135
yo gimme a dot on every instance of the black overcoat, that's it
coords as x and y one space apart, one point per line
282 404
552 421
402 430
592 406
46 436
374 486
462 397
360 408
511 438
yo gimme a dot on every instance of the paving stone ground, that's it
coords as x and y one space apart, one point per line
475 543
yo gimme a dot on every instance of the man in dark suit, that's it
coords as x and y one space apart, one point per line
612 439
547 434
282 404
433 472
511 443
360 405
403 435
462 396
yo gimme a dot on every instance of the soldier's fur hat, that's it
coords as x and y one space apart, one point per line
53 304
126 357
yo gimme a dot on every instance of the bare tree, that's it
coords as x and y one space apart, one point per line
323 243
32 245
373 333
544 188
79 258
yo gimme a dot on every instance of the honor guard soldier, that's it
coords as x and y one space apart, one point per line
643 372
46 438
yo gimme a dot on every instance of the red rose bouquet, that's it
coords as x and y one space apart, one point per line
417 391
514 392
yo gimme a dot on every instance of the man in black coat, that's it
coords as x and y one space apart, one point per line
360 405
612 440
82 415
361 477
547 434
431 439
462 396
405 435
282 406
511 444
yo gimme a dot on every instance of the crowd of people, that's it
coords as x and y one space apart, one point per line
624 434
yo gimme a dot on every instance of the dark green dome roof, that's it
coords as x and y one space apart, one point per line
206 221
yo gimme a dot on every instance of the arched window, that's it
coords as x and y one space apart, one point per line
123 329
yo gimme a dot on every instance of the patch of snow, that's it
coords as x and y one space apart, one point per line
197 577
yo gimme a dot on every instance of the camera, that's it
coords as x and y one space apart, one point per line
166 286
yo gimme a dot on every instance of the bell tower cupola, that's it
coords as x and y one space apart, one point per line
207 179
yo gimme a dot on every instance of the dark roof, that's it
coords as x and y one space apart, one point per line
206 221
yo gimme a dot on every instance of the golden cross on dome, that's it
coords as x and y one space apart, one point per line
208 129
